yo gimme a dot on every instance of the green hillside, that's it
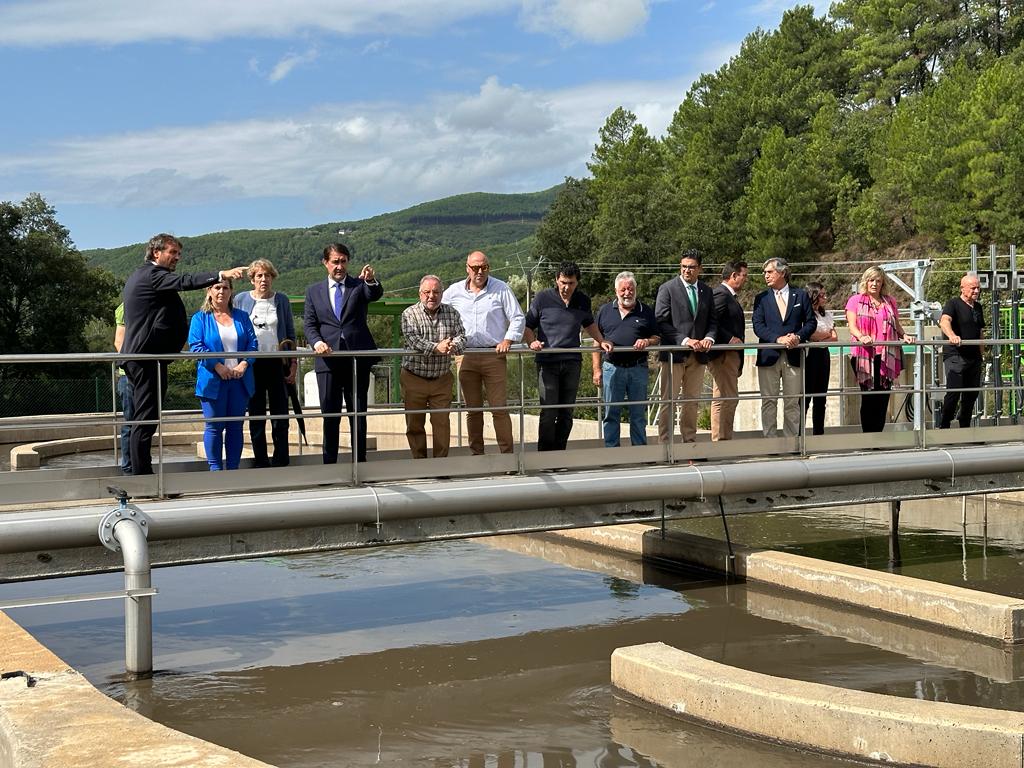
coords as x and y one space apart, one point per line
402 246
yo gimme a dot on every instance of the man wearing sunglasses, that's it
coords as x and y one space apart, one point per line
494 321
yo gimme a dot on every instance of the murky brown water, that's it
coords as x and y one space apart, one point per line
478 654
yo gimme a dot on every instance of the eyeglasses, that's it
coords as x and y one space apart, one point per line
689 267
478 267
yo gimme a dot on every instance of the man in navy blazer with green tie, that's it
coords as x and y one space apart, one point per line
685 310
335 319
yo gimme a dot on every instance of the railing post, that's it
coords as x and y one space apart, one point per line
671 405
801 434
521 464
160 425
113 413
354 432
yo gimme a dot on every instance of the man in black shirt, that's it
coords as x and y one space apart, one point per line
554 321
962 320
628 324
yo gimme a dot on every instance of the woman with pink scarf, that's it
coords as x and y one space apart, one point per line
872 316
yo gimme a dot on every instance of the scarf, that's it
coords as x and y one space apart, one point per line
863 356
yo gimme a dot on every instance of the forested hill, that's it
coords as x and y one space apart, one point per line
402 246
882 126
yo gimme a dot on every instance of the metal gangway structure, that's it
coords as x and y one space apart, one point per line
65 522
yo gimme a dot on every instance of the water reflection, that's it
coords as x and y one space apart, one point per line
468 653
982 548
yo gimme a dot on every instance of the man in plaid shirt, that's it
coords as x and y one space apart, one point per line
435 330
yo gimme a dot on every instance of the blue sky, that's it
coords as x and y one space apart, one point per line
195 116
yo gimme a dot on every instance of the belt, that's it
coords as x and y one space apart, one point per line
426 378
634 364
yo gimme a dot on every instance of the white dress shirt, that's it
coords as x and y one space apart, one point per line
490 316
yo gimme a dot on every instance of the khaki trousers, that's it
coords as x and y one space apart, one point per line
483 376
419 393
791 378
725 371
687 379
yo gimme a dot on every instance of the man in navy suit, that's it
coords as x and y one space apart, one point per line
684 308
782 315
335 319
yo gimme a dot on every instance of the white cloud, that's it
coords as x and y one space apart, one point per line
375 47
498 107
777 7
502 138
597 21
114 22
284 67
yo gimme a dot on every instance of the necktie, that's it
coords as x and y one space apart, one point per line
339 299
692 292
782 304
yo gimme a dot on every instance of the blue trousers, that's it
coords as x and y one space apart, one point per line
223 439
621 384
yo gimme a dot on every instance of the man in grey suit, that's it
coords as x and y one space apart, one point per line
335 319
684 309
727 365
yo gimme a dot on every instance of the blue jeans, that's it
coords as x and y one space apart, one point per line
124 389
223 439
621 384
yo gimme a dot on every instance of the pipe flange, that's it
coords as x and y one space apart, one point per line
115 516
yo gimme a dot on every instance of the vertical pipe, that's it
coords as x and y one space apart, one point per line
997 360
138 611
1015 334
919 301
895 556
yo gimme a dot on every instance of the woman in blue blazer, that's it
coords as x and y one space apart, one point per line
224 384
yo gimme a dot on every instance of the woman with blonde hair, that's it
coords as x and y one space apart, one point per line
872 316
223 384
271 316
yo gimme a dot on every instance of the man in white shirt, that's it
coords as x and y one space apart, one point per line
492 318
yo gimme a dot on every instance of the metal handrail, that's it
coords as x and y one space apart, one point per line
520 351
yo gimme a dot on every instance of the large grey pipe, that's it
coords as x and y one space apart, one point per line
34 531
138 610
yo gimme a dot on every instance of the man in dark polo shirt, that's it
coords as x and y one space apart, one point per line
554 322
962 319
622 376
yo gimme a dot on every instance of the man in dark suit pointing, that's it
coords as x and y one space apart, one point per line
684 309
154 318
727 365
335 319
